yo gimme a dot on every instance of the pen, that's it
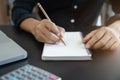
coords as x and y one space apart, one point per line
41 8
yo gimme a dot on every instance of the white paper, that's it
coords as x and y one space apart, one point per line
74 49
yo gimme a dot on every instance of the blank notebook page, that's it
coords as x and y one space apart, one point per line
74 49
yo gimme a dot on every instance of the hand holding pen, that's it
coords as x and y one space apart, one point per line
51 32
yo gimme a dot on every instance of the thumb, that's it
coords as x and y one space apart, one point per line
61 30
88 36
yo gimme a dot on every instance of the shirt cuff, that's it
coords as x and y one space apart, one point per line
25 16
113 19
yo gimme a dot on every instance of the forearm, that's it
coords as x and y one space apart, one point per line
28 24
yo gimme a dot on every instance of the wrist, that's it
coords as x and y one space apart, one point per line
116 26
29 25
35 24
112 19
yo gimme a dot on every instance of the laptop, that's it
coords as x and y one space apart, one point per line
10 51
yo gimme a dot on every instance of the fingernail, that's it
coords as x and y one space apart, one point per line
87 46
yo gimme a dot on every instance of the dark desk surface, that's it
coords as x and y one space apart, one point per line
104 66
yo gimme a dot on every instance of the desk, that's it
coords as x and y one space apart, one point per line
104 66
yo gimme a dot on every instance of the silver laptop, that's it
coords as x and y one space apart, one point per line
10 51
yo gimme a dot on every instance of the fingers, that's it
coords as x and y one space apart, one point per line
89 36
51 26
103 41
46 32
109 44
49 35
114 46
103 38
62 31
92 38
42 38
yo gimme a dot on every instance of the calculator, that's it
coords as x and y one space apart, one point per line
29 72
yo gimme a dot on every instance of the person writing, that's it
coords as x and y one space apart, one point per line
44 30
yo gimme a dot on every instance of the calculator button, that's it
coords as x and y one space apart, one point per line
52 77
6 77
29 72
40 78
17 72
14 78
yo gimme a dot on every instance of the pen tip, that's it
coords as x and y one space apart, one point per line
63 42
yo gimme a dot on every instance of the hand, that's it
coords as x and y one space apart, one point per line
46 31
105 38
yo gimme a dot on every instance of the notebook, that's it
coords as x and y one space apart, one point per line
10 51
74 49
